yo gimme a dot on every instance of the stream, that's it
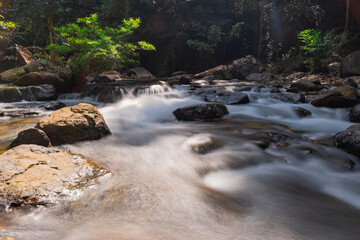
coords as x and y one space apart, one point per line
297 187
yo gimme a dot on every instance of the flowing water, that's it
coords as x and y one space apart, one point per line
300 187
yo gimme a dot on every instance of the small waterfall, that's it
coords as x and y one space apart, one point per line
160 87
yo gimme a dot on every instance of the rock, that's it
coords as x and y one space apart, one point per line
277 137
43 92
245 66
184 79
290 97
140 73
68 125
349 140
258 77
227 97
106 78
103 93
294 76
35 66
12 75
341 97
302 112
22 113
350 65
53 106
2 113
354 114
203 144
14 57
31 136
40 78
305 85
349 82
14 94
239 69
201 112
219 72
34 175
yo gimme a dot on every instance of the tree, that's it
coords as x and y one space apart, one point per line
6 28
87 47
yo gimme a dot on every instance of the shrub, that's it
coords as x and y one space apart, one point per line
318 47
86 47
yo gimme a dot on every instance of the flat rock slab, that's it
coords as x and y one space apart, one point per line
33 175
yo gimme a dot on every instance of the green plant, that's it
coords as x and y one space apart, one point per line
86 47
6 28
317 47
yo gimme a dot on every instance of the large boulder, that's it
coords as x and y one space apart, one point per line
68 125
239 69
341 97
350 65
32 93
12 75
201 112
107 77
245 66
15 56
227 97
349 140
305 85
40 78
31 136
33 175
140 73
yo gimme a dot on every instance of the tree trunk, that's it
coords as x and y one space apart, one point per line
346 28
50 18
261 26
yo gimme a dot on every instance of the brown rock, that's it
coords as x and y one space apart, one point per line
341 97
31 136
68 125
40 78
34 175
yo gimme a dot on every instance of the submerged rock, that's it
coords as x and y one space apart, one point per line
31 136
203 144
227 97
302 112
201 112
349 140
68 125
341 97
34 175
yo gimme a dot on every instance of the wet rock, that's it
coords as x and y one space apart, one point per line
184 79
276 137
341 97
354 114
203 144
14 94
302 112
349 140
53 106
350 65
227 97
22 113
40 78
68 125
34 175
45 92
201 112
106 93
140 73
2 113
290 97
31 136
305 85
258 77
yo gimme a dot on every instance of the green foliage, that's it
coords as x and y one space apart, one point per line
6 28
87 47
317 47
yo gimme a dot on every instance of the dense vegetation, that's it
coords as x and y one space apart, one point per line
193 35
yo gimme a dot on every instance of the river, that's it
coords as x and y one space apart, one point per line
298 187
